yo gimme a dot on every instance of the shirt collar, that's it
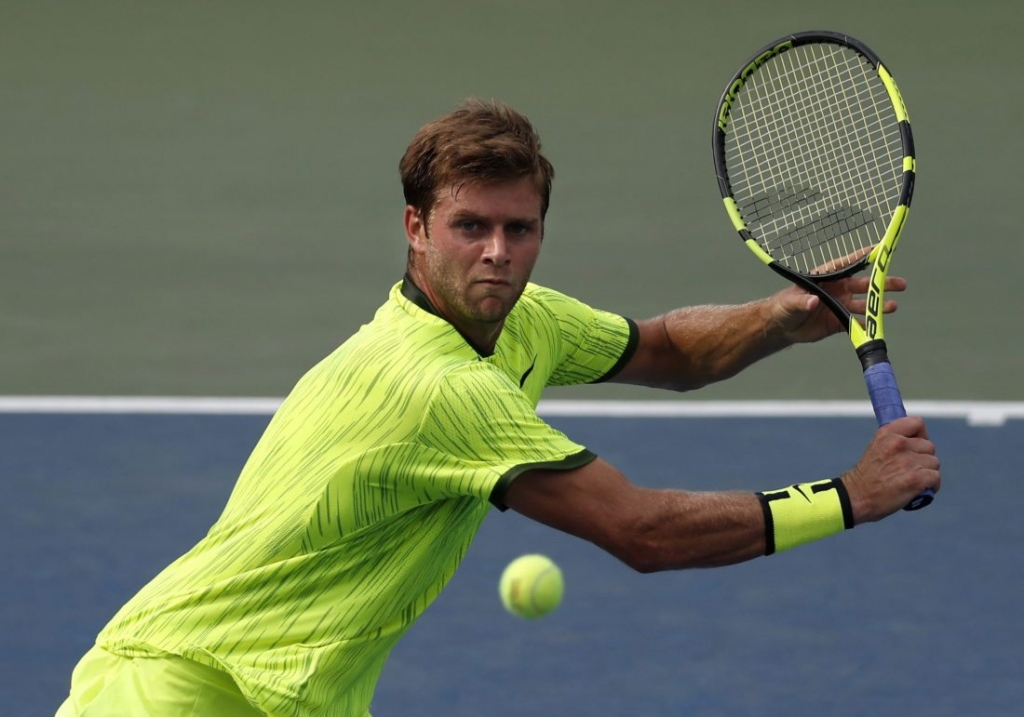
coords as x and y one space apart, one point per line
415 294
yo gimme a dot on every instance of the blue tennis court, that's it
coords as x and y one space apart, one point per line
915 615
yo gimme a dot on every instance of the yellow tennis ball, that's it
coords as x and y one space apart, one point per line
531 586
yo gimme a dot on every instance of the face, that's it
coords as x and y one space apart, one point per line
474 254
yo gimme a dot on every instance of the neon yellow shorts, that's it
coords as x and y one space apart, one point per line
104 684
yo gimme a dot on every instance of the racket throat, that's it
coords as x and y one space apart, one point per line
833 304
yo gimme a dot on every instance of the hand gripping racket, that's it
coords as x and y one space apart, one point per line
815 162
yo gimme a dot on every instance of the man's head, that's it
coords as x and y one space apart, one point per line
476 189
480 142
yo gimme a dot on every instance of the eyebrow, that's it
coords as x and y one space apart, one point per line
464 214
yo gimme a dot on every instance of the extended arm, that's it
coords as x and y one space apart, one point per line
691 347
653 530
649 530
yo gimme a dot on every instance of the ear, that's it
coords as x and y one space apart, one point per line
415 229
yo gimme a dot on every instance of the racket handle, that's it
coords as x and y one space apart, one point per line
886 399
885 393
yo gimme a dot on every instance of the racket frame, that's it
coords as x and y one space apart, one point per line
868 339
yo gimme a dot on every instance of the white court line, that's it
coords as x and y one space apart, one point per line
976 413
140 404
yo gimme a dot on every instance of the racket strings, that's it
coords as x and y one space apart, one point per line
835 230
818 116
814 156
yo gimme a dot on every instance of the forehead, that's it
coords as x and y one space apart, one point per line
517 197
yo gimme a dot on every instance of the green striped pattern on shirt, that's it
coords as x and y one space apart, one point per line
361 498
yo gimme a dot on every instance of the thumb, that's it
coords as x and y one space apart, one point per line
909 426
797 304
793 309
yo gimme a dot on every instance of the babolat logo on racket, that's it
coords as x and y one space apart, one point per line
734 88
874 299
877 282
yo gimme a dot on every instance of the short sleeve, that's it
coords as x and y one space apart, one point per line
592 345
487 432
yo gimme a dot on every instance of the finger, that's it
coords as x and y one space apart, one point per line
860 284
922 446
932 476
895 283
857 284
842 262
924 430
859 306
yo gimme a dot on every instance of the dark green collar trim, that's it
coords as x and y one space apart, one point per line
415 294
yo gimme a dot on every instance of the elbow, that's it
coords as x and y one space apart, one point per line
644 565
682 383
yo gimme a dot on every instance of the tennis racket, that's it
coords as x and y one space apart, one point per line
815 162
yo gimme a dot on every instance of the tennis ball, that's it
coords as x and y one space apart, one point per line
531 586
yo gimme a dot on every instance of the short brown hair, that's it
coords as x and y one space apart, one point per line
480 142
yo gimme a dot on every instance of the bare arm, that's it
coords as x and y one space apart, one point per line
691 347
649 530
653 530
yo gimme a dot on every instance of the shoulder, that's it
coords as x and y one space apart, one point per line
540 306
544 298
402 355
402 333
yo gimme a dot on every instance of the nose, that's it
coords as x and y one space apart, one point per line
496 249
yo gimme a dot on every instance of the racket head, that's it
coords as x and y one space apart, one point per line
814 155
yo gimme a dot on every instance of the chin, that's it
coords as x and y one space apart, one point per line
493 310
491 317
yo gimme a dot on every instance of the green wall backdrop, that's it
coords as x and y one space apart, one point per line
201 198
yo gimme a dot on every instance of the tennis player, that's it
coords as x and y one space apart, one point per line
369 484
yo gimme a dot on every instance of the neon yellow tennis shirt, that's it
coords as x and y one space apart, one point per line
362 496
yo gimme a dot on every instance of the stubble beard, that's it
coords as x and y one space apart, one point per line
455 291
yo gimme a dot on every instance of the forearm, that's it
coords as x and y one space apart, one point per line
679 529
653 530
691 347
648 529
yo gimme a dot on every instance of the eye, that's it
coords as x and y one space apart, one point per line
519 229
469 225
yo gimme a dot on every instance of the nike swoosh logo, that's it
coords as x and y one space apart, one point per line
801 492
522 380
